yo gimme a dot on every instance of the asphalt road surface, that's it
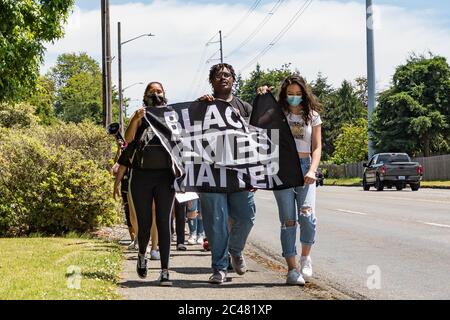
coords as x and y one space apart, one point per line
373 245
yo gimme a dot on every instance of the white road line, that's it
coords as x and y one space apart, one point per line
435 224
352 212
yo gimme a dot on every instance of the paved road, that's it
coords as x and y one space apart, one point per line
403 236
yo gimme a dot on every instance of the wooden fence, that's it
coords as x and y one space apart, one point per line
434 168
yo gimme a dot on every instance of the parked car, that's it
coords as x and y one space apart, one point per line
319 176
392 169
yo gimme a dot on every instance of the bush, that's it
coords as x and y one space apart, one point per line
20 115
49 188
92 141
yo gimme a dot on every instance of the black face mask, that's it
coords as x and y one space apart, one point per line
154 100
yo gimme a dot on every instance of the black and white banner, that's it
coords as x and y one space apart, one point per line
216 150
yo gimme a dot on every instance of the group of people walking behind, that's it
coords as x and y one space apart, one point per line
224 219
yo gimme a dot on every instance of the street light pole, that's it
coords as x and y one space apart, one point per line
119 52
370 68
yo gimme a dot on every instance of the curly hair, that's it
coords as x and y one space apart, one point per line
309 103
217 67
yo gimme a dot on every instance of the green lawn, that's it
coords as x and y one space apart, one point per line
435 184
343 182
58 268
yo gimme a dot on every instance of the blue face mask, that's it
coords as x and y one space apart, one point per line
294 101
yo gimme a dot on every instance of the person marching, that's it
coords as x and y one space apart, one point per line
151 179
217 208
297 205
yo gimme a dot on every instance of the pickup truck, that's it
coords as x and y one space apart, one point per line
392 169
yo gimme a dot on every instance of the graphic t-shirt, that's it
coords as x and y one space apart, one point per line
302 132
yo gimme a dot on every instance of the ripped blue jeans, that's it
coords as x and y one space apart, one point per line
297 205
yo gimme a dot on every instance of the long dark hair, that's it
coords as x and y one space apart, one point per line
147 89
309 103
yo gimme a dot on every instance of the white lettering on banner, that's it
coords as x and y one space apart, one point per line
210 120
228 114
208 178
172 122
257 176
253 154
187 122
241 177
257 180
190 173
223 177
221 145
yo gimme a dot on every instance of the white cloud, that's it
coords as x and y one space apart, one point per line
329 37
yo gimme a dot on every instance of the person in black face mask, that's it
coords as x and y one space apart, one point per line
151 179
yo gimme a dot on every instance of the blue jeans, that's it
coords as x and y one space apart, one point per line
298 205
223 235
195 224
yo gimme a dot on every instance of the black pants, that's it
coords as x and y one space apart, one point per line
146 186
126 208
180 221
124 192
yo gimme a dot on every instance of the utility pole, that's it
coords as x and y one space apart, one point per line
370 68
119 40
220 49
109 59
106 64
221 46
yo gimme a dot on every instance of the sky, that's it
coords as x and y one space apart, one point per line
329 36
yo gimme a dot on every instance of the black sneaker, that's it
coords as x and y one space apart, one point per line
230 265
164 279
141 267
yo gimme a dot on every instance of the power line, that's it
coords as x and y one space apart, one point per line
283 31
196 83
238 24
258 28
200 71
197 72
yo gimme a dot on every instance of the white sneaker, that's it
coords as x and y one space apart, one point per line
192 240
133 245
154 255
200 240
306 267
295 278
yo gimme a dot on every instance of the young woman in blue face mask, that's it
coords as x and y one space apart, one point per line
297 205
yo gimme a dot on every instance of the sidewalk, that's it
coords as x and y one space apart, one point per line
190 270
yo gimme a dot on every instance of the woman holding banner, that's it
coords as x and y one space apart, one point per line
297 205
151 179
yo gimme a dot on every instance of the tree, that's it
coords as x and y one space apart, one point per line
25 25
414 114
70 64
78 82
341 106
81 98
43 99
351 145
258 78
